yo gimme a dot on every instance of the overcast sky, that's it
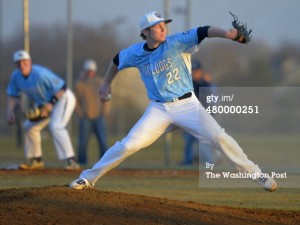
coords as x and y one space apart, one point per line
273 21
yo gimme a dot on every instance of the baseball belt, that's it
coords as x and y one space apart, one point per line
186 95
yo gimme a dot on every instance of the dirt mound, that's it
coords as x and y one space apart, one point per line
61 205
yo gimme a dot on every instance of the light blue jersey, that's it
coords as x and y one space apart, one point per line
166 71
41 84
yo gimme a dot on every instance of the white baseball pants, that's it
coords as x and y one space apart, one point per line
60 116
188 114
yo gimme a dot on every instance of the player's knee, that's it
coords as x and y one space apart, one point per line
121 149
129 149
28 127
130 146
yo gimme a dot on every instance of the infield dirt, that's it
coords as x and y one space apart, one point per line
60 205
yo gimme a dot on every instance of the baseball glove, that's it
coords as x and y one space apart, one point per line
34 114
243 35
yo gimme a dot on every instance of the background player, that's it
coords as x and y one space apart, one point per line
165 68
57 103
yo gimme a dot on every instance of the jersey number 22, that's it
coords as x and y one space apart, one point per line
173 76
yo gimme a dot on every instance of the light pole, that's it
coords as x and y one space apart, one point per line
69 77
25 102
26 25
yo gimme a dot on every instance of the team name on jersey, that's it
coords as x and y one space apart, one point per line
158 67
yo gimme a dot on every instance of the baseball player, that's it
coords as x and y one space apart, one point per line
54 105
165 68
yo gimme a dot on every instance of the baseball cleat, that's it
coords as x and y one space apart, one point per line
34 165
268 184
79 184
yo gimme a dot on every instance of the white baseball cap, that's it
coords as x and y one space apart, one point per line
90 64
20 55
151 19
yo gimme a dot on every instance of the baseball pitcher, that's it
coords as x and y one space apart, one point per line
165 68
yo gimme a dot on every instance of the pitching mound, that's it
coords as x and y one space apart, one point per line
60 205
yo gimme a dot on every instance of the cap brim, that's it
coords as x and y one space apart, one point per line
168 21
153 24
18 60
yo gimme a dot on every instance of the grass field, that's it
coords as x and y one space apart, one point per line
272 153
